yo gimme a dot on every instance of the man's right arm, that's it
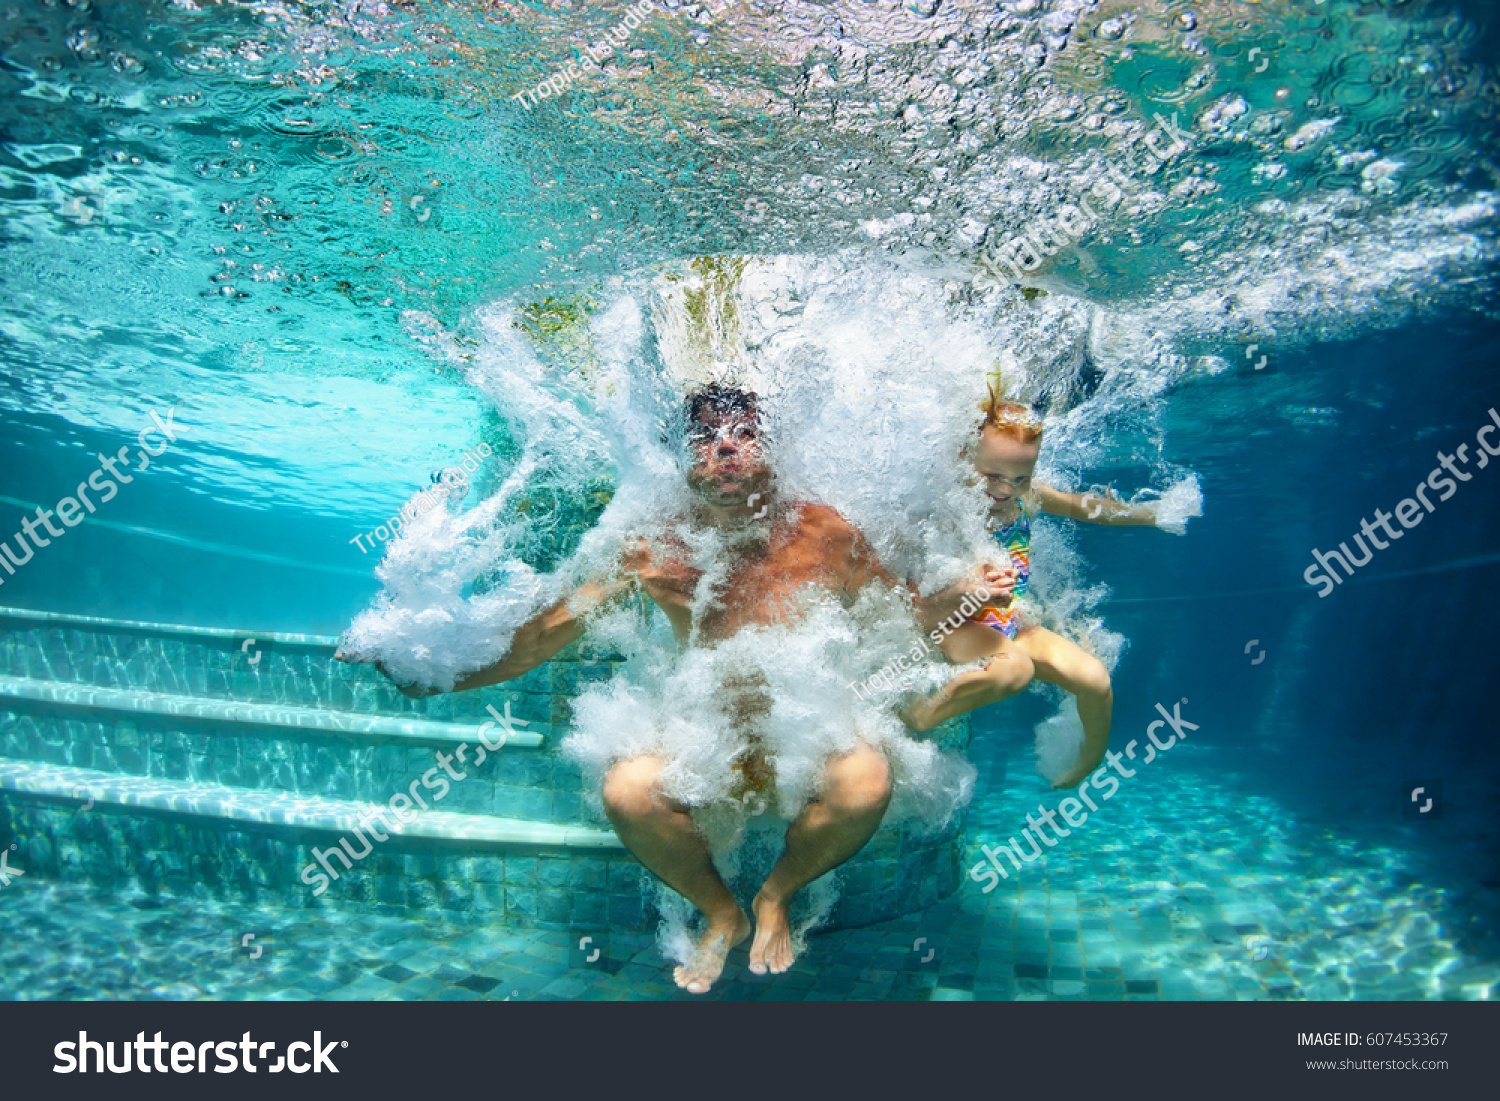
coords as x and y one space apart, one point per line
542 637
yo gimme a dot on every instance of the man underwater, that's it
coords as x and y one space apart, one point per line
776 550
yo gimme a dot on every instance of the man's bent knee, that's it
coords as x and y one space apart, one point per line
630 788
859 781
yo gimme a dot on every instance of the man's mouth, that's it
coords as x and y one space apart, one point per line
729 484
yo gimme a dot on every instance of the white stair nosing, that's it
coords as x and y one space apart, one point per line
271 808
64 619
137 701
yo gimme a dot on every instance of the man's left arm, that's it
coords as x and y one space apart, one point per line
864 566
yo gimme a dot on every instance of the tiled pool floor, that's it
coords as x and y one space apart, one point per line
1178 890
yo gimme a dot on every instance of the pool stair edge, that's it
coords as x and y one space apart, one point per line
176 630
317 720
284 809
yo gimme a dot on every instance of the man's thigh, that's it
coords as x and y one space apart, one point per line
864 768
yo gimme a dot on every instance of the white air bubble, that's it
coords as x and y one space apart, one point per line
1059 740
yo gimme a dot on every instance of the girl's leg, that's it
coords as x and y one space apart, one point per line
1008 671
1078 672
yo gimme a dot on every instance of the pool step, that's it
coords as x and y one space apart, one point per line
131 626
270 808
376 728
220 761
274 668
285 750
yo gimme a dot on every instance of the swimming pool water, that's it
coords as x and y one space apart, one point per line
326 236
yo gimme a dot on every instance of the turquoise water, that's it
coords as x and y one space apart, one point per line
332 240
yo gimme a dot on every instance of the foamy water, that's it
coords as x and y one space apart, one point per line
869 380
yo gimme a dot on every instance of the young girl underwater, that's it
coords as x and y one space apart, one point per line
1004 633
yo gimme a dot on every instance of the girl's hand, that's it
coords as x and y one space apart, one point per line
1179 504
1001 583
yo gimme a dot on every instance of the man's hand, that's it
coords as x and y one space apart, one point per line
412 691
1176 524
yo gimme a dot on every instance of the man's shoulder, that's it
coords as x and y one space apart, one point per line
826 521
646 551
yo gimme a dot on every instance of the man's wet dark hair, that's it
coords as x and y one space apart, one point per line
721 401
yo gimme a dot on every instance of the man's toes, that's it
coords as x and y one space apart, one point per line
773 954
779 954
758 953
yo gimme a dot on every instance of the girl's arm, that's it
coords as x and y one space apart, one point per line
997 582
1096 508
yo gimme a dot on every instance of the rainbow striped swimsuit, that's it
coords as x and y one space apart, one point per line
1015 537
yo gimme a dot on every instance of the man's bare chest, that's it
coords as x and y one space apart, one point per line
756 584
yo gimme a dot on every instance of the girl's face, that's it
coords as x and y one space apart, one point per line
1005 464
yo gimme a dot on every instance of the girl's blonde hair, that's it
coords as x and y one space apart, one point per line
1009 418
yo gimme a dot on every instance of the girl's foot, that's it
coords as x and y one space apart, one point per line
916 712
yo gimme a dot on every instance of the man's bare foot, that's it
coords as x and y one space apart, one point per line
707 962
772 948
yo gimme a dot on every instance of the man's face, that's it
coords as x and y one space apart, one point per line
728 462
